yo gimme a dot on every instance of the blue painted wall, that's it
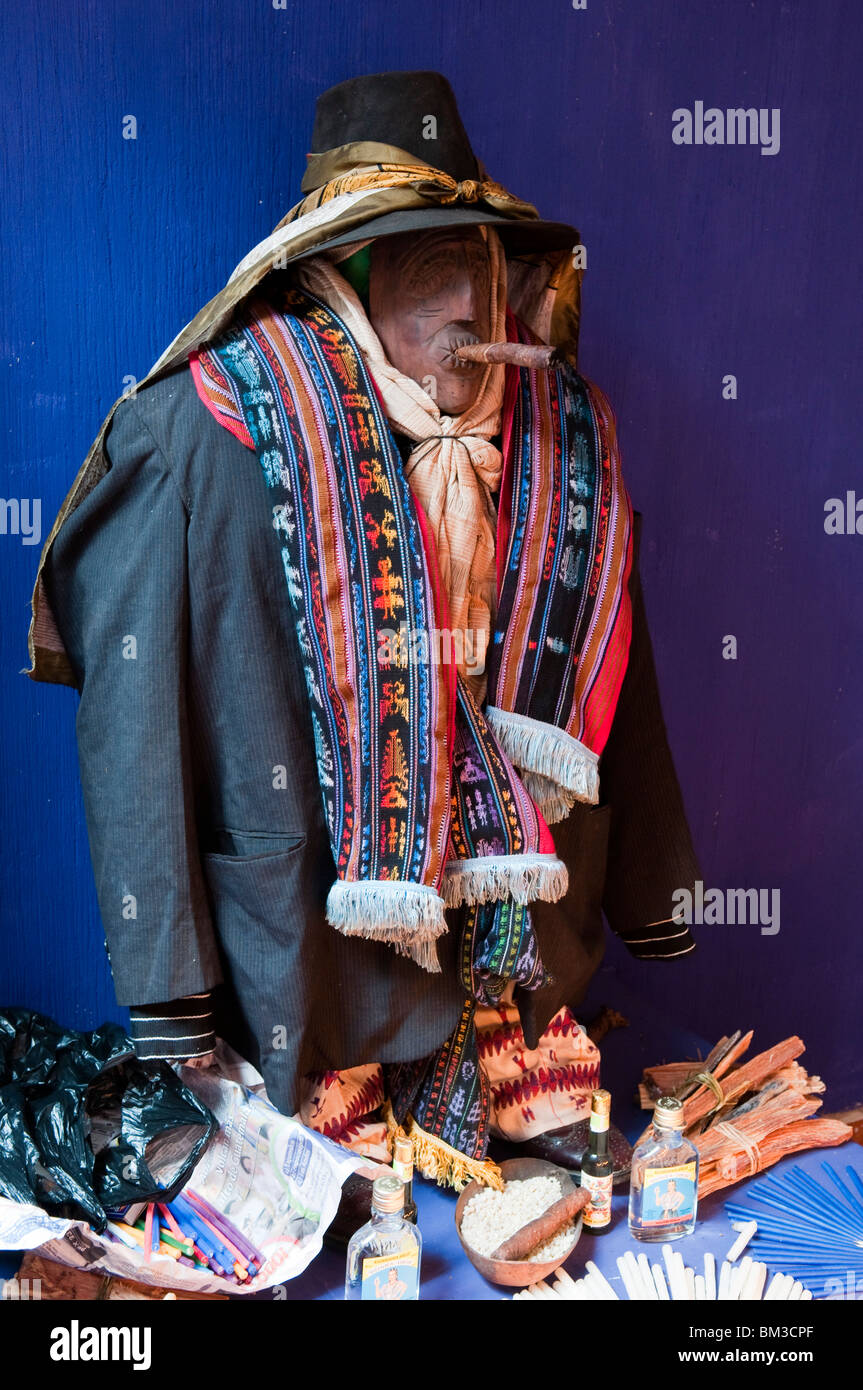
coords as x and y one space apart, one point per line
702 261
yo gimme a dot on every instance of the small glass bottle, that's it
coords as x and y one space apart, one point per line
597 1166
403 1167
384 1255
663 1180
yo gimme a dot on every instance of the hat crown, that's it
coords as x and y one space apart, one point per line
416 111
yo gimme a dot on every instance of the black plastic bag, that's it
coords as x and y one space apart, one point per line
86 1128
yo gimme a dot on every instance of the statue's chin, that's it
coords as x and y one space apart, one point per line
453 388
449 406
456 393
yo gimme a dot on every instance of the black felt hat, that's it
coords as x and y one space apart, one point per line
417 112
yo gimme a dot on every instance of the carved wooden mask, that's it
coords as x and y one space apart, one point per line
429 293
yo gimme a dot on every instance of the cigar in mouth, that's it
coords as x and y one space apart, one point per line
537 356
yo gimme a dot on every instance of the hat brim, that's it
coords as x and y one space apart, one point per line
519 237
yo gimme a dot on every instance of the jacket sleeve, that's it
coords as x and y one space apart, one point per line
117 582
178 1030
650 852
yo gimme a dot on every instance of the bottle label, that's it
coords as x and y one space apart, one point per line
392 1278
598 1213
405 1171
668 1195
599 1123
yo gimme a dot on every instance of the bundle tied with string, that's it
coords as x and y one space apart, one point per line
744 1118
728 1163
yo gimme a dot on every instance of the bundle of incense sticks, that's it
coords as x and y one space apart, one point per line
816 1230
192 1232
744 1117
644 1282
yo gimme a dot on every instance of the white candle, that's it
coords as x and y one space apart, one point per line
632 1291
753 1287
607 1291
739 1275
648 1288
679 1284
773 1288
661 1287
635 1276
742 1241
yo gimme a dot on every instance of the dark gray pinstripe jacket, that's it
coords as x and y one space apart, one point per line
209 847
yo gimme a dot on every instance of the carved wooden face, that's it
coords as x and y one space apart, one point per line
429 293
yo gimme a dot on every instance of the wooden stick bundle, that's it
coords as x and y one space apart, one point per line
749 1115
681 1078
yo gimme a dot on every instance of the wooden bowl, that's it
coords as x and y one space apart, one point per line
517 1274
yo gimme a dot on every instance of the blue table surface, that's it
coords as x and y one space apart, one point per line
446 1271
448 1274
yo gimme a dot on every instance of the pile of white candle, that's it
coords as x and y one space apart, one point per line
744 1282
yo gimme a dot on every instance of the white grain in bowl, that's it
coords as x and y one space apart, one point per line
491 1217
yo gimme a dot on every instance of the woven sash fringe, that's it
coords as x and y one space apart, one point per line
547 752
554 803
494 877
438 1161
407 916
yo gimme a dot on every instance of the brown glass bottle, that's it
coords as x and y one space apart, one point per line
597 1166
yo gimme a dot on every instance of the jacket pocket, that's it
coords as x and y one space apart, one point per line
266 909
257 893
261 907
227 844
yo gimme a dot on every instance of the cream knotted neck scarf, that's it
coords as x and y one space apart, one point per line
454 468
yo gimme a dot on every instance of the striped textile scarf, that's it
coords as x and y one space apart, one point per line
454 465
423 800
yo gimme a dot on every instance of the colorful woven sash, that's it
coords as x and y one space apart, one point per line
564 617
424 806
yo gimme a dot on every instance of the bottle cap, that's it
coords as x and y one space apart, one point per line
600 1103
403 1152
668 1113
388 1194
